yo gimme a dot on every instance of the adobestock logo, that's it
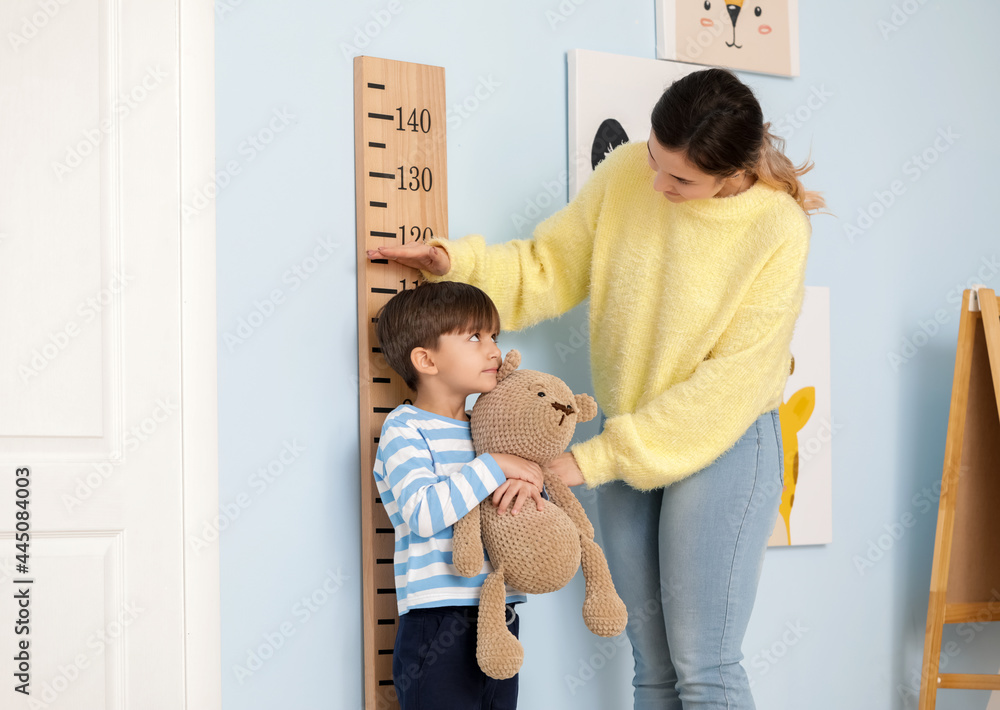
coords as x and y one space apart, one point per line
32 24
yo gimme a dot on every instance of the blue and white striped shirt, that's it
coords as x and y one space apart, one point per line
429 476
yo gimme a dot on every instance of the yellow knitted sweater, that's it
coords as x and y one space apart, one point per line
692 308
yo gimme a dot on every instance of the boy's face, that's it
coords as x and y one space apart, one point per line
467 362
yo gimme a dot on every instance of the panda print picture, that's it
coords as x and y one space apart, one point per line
610 134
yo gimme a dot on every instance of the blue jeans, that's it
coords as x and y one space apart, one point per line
686 560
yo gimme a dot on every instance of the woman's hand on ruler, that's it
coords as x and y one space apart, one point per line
417 256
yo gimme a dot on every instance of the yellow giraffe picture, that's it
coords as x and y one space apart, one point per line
807 430
794 414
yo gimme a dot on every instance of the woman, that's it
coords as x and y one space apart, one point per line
694 287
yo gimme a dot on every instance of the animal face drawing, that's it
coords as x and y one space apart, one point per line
742 34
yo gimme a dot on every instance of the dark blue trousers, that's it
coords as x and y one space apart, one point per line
434 663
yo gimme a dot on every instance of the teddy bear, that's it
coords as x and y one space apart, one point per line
532 415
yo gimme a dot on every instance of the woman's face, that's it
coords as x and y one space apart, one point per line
677 178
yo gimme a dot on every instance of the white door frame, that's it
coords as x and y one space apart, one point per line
93 379
199 404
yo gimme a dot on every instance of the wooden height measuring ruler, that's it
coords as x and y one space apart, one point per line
402 194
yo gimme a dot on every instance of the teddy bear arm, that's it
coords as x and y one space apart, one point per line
561 495
467 544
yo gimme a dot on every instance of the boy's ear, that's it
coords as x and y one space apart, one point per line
510 364
421 360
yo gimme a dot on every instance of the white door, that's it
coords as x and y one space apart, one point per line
107 355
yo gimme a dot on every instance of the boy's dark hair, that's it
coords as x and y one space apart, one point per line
417 317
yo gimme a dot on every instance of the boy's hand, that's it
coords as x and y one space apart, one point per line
521 469
517 491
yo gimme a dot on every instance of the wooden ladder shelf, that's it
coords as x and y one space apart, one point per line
965 575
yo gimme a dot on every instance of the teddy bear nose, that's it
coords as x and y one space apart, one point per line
563 408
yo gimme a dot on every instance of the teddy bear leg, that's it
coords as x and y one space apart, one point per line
467 544
498 651
604 612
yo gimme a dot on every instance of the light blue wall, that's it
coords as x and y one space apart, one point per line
288 398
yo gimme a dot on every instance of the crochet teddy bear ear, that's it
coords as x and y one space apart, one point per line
510 364
586 408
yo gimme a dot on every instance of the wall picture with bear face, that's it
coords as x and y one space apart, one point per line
749 35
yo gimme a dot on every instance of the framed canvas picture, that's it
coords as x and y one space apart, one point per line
805 515
750 35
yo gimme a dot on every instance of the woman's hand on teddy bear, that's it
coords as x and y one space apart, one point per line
566 468
519 492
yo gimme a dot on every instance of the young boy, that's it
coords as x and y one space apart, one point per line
440 338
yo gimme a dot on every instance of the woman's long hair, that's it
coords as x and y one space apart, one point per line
716 120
